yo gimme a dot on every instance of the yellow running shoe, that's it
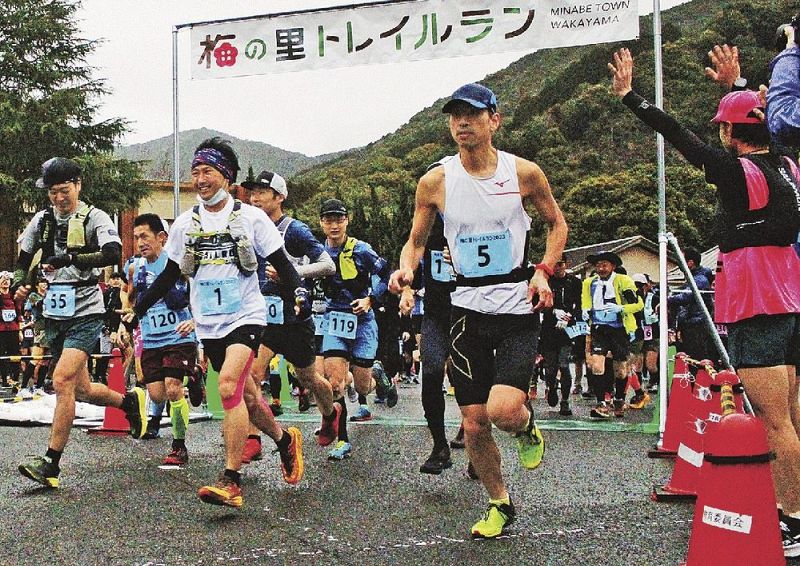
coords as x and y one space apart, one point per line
292 457
498 516
639 401
224 492
41 470
530 444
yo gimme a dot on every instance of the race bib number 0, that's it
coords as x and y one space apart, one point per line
274 309
60 301
219 296
480 255
9 315
441 270
320 324
342 324
159 320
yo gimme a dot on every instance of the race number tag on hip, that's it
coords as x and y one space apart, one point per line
485 254
274 309
342 324
603 315
9 315
60 301
577 329
648 332
219 296
159 320
320 324
440 269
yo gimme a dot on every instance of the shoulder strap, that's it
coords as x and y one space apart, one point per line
283 225
757 188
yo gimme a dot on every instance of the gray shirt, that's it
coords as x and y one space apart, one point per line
99 230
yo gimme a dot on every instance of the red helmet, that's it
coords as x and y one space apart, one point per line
737 108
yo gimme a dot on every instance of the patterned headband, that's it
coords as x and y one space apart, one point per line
215 159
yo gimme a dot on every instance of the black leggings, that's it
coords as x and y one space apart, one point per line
434 349
9 346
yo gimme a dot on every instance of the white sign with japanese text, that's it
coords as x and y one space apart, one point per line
727 520
371 34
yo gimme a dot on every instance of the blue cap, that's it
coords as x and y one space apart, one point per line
474 94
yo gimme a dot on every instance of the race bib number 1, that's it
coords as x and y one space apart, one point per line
440 269
60 301
480 255
342 324
320 324
219 296
274 309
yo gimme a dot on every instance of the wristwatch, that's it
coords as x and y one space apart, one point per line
739 84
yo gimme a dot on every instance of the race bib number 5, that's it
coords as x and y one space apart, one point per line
219 296
342 324
480 255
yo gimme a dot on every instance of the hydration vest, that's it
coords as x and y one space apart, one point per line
76 232
177 298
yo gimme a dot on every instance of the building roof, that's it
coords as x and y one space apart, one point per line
708 259
577 256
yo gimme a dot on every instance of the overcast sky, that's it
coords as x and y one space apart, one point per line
312 112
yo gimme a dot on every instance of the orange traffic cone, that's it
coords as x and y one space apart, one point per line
680 394
683 483
727 377
114 421
735 517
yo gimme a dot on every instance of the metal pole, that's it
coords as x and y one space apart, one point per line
176 169
662 231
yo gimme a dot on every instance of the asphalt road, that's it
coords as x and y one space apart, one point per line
588 503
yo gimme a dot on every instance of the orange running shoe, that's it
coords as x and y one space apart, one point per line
292 457
252 450
329 430
224 492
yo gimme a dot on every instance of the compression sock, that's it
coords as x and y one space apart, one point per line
179 415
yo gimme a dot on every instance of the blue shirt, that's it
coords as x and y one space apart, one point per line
783 97
340 293
158 324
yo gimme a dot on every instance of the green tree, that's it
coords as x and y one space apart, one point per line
48 102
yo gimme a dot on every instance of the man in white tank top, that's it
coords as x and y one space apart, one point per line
482 196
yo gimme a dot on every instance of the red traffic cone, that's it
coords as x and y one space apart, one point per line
735 517
680 394
114 421
683 483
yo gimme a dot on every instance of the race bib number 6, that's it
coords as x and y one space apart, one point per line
219 296
480 255
342 324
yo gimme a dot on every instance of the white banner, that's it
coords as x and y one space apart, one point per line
403 31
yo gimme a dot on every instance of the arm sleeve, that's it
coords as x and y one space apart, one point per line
109 254
382 269
163 283
290 280
21 271
783 95
320 267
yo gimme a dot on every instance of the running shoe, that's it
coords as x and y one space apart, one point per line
565 411
303 402
196 385
619 408
576 390
601 411
276 409
471 473
587 395
341 451
252 450
530 444
329 430
151 434
224 492
352 394
292 466
791 539
498 516
136 413
391 395
178 457
437 462
652 387
533 394
639 401
361 415
386 388
41 470
379 400
458 441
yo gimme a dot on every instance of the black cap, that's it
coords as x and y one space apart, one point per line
58 170
333 206
604 256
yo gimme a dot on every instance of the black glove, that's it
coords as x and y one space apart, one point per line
59 261
302 298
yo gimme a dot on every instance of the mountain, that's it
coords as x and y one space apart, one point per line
558 110
157 155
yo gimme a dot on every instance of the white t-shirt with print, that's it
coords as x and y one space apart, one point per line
251 307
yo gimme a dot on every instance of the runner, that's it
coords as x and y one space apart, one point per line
351 336
76 241
169 349
216 243
481 194
285 333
